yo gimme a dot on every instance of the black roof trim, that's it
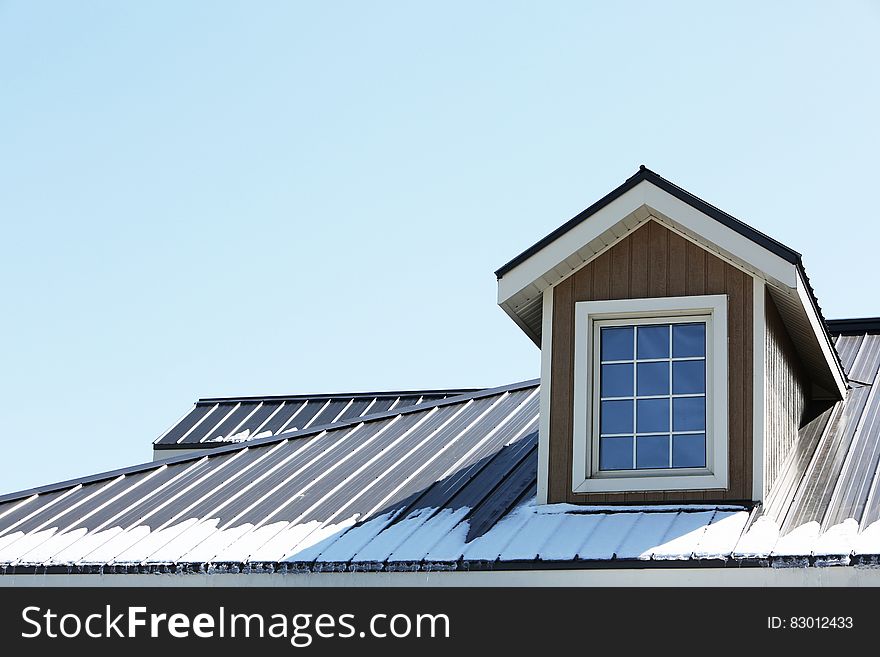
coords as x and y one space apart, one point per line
645 174
346 395
854 326
298 567
201 454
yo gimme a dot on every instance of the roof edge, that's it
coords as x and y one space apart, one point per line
325 395
461 565
853 326
201 454
645 174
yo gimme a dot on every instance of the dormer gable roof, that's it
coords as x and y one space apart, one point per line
647 196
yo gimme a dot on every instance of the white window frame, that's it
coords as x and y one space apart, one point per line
586 476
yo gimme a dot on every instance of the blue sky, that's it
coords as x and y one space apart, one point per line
216 198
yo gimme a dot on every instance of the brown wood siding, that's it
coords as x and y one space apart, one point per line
786 394
653 262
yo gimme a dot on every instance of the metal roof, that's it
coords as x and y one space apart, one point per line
856 326
447 484
223 420
827 496
273 498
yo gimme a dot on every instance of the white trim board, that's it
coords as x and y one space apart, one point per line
544 405
758 386
630 209
520 288
715 475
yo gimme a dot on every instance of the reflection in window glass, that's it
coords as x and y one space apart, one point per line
652 396
616 453
617 380
617 343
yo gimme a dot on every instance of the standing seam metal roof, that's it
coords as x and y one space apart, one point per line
216 421
448 484
834 473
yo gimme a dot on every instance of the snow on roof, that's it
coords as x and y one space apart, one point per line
445 484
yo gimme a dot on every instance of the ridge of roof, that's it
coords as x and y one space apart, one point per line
854 325
346 395
142 467
646 174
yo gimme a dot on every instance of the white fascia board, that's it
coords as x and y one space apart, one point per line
645 193
544 405
759 289
712 230
542 262
821 335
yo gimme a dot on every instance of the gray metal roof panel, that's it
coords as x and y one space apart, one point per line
448 480
831 477
215 421
854 326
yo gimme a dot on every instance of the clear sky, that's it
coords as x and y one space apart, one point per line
214 198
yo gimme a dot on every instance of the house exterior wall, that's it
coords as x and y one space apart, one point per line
786 394
652 261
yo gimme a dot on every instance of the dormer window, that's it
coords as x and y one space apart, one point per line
650 380
651 394
680 350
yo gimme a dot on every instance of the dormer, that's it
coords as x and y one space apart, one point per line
681 350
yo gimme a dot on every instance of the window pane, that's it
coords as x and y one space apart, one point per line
617 380
688 340
688 414
689 451
616 453
653 416
688 377
652 452
617 343
653 378
616 417
654 341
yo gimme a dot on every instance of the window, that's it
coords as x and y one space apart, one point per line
650 394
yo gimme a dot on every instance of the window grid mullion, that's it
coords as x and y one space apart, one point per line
650 360
634 362
635 392
670 396
629 397
690 432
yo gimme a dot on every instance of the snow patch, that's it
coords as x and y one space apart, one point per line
837 540
720 538
868 542
574 532
437 538
798 542
758 541
683 536
355 539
